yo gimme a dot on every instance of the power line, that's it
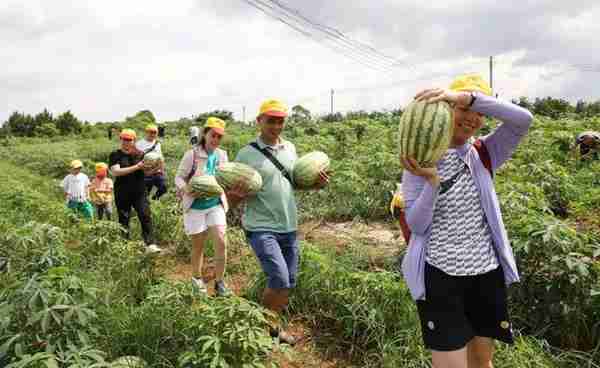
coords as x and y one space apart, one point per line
265 9
333 38
311 31
336 33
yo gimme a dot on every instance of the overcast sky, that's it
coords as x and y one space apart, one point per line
108 59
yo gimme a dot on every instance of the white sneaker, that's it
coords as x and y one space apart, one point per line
153 248
198 285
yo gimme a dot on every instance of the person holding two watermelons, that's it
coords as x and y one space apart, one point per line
75 186
154 167
204 217
270 216
459 260
126 165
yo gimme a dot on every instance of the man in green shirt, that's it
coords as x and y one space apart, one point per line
270 217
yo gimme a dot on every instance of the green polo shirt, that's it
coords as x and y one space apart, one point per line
274 207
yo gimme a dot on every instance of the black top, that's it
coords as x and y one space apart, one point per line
131 183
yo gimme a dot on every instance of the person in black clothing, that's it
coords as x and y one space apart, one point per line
110 133
161 131
126 164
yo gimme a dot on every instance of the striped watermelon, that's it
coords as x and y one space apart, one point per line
129 361
152 160
425 131
231 173
204 186
307 168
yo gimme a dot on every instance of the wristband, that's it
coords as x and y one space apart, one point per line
473 98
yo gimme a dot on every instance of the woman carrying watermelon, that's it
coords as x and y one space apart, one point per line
459 260
205 217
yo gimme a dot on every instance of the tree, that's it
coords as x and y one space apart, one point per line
580 107
46 130
67 123
523 102
20 124
221 114
141 119
552 107
300 114
330 118
44 117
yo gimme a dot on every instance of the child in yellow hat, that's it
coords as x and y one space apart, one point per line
76 189
101 191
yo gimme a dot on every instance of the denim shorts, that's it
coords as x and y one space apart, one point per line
278 254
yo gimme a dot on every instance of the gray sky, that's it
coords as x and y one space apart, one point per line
105 60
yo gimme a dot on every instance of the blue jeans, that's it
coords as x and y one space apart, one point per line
278 254
157 181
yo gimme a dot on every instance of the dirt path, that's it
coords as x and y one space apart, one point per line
314 348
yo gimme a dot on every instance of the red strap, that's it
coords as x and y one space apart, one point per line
484 155
404 226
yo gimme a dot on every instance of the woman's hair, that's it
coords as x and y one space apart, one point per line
203 139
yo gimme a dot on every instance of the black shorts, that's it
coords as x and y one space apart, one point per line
458 308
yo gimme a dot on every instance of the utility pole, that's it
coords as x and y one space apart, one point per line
332 102
244 115
492 73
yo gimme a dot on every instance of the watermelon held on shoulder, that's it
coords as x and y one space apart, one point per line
425 131
307 169
231 173
204 186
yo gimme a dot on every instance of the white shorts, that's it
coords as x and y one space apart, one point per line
198 221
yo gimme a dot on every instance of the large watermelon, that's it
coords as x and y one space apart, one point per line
307 168
425 132
204 186
152 160
129 361
230 173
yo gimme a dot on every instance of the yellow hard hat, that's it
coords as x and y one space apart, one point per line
151 128
128 133
76 164
471 82
216 124
101 166
273 108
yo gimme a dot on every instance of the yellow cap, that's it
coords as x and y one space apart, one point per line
216 124
76 164
471 82
273 108
101 166
151 128
128 133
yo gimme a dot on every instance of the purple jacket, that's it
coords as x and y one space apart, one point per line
420 197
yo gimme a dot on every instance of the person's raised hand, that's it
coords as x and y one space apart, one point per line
428 173
462 99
